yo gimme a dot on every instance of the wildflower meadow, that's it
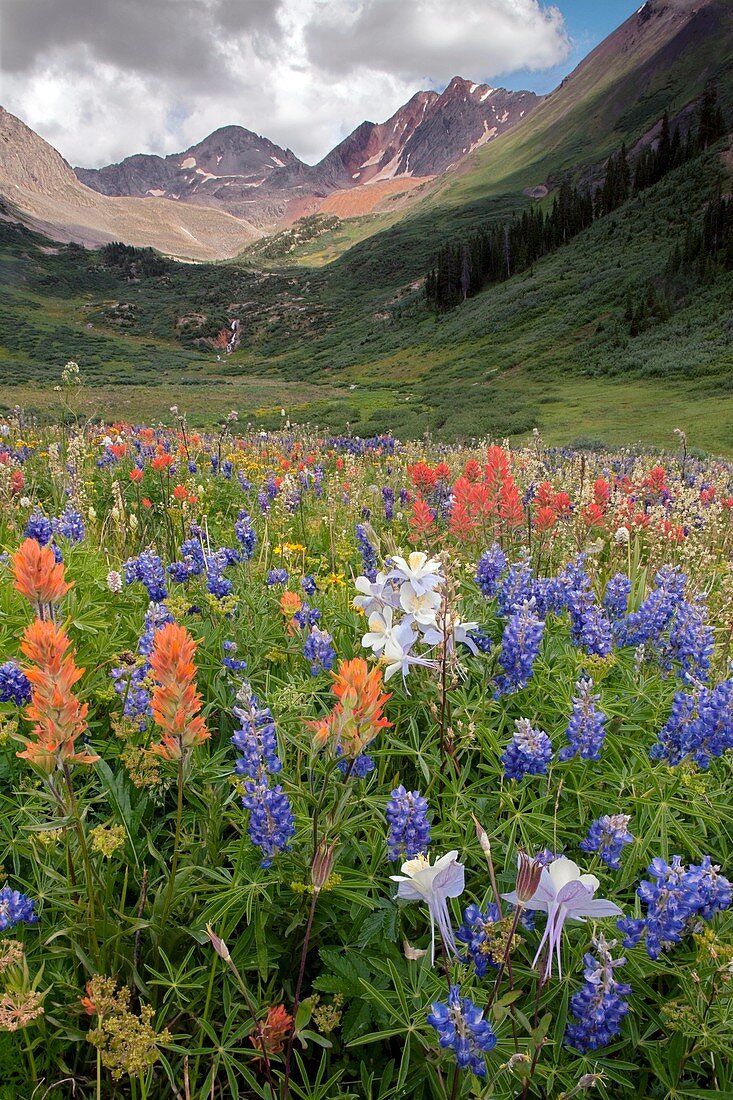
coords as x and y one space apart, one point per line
338 767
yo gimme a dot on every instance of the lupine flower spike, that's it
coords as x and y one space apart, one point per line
461 1025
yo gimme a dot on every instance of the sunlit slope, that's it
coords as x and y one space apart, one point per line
661 58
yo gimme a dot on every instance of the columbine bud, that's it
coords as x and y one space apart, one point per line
322 865
482 837
528 877
218 944
589 1080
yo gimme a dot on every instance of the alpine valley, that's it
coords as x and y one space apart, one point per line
483 262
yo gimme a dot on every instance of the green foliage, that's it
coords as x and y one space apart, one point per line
125 888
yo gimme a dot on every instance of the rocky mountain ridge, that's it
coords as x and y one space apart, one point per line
249 176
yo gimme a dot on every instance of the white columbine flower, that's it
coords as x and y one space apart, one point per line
433 885
380 628
373 595
421 572
422 606
397 655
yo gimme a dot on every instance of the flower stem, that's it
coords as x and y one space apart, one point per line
176 845
79 826
456 1079
296 999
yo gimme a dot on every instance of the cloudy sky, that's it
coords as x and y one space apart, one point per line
102 79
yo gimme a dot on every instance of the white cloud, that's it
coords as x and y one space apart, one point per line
434 39
104 80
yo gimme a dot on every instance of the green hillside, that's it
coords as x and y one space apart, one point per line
348 340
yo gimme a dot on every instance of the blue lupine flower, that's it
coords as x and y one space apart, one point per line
528 753
481 639
70 525
478 931
607 836
148 569
308 584
276 576
460 1024
245 533
712 732
14 908
216 583
655 614
256 738
490 567
409 827
700 726
599 1007
691 641
306 615
367 551
675 896
271 823
516 588
672 739
132 683
616 596
586 730
229 660
192 563
357 767
520 645
319 650
550 595
388 499
14 685
590 629
40 528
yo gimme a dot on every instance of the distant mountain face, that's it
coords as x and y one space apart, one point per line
251 177
221 170
39 187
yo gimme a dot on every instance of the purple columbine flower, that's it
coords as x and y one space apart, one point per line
564 894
